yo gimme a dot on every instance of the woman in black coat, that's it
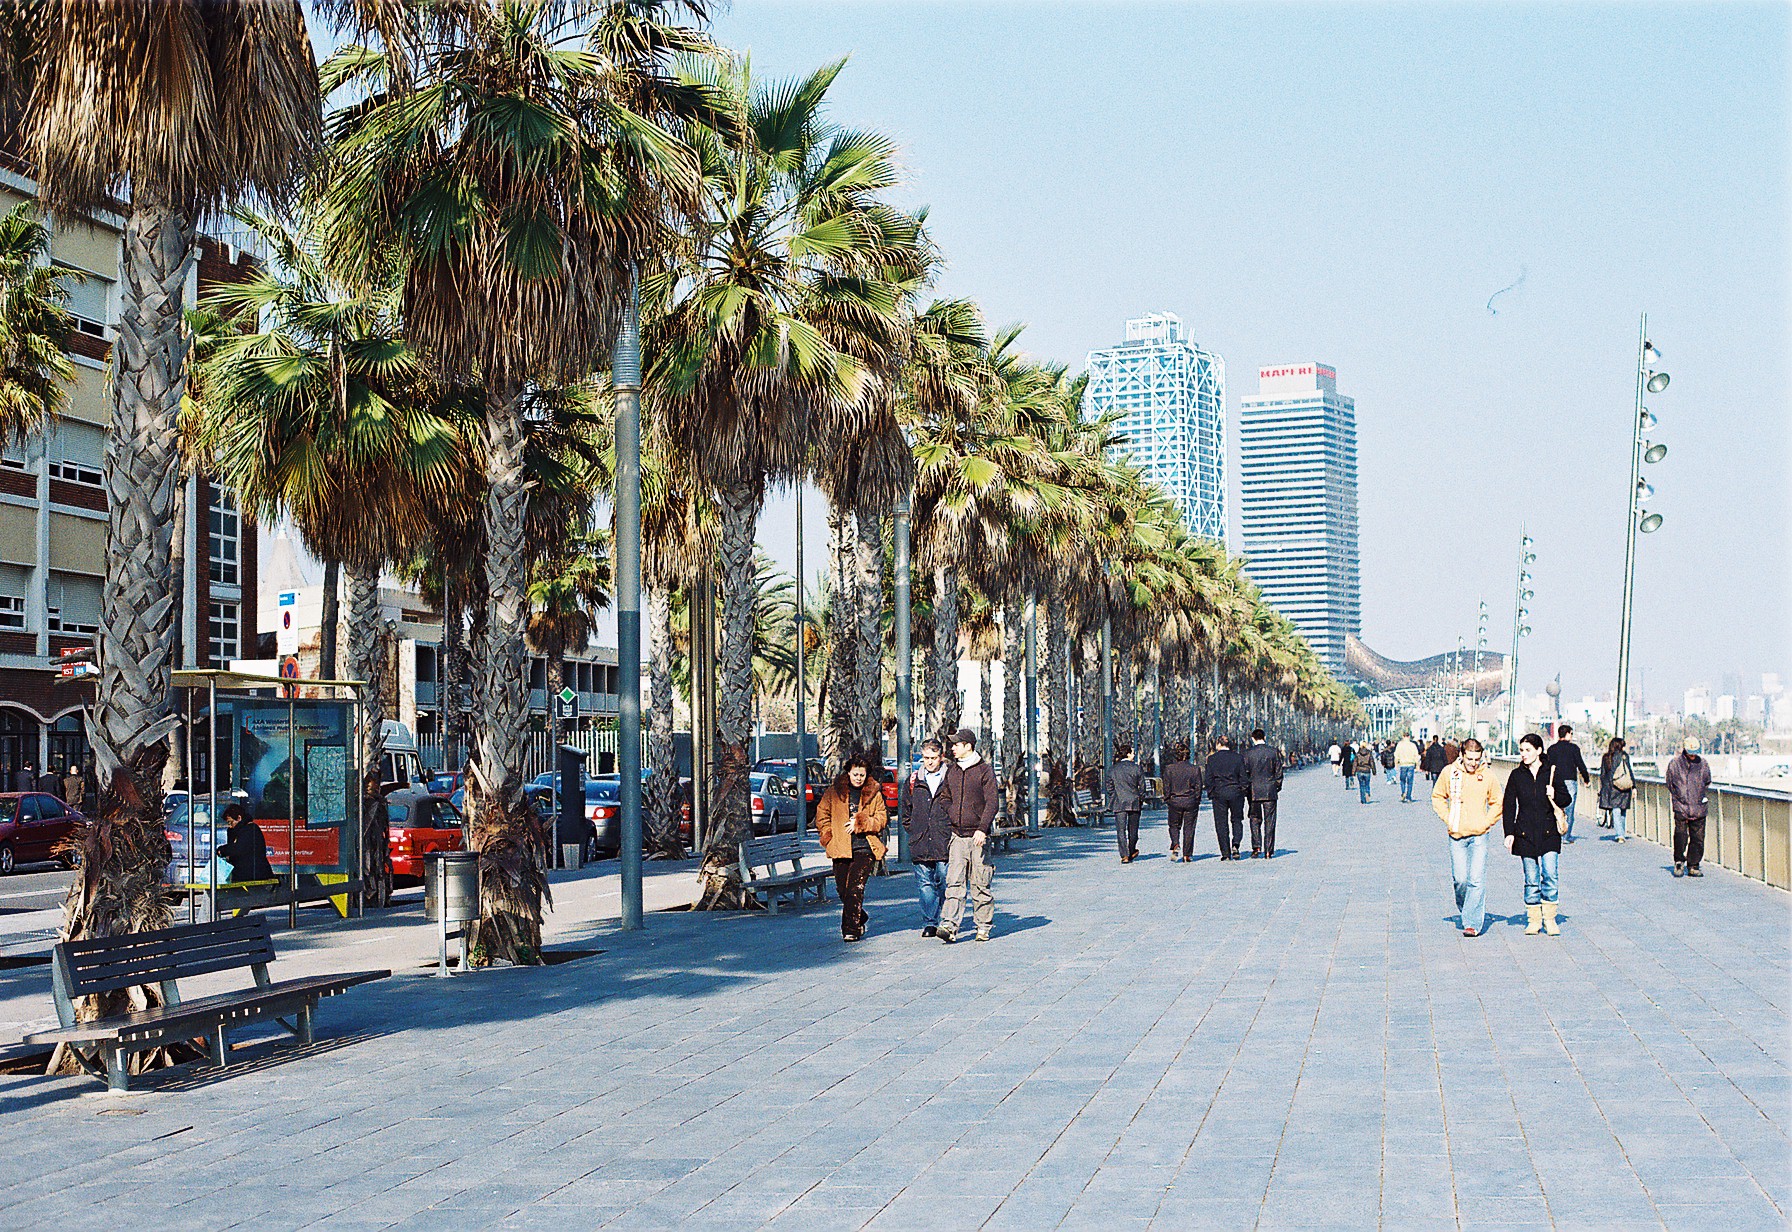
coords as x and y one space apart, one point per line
1531 833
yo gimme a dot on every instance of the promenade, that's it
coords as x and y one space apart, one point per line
1306 1042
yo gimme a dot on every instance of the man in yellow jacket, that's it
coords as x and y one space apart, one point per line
1406 760
1467 799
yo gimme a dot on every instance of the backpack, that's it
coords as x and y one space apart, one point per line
1387 758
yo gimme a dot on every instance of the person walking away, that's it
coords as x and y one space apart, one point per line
246 848
1347 761
1182 793
1452 751
1387 760
970 811
850 820
72 794
1126 796
1365 771
1617 783
1406 762
49 782
1571 769
1263 782
1335 754
23 779
1433 760
1227 782
1689 779
1533 834
929 833
1467 800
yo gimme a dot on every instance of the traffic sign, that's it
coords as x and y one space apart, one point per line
286 633
567 696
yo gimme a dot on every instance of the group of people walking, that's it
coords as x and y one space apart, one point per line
1236 784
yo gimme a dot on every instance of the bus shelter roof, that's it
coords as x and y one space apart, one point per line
199 678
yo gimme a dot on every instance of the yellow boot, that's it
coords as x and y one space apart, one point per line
1549 920
1534 913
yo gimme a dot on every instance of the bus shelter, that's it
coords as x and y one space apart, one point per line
295 764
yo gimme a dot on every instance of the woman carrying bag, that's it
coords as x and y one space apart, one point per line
1617 782
1535 820
849 821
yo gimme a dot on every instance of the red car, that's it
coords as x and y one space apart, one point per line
419 822
31 825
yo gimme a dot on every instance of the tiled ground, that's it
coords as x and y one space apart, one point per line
1305 1042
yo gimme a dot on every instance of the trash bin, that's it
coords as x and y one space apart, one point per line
572 855
451 898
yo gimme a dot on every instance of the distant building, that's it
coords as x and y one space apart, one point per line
1754 708
1171 396
1723 708
1697 703
1297 503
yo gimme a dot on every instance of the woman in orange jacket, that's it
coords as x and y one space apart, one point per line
850 818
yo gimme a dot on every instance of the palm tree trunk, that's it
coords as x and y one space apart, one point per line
739 509
942 666
1057 702
125 848
450 701
1014 674
661 800
326 646
986 707
868 657
511 842
839 688
367 661
1089 691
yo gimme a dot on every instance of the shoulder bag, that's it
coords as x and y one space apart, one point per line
1621 777
1549 793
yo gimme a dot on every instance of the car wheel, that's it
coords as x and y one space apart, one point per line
7 863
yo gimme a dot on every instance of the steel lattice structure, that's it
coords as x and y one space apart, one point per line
1171 396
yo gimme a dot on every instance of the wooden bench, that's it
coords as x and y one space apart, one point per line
761 876
163 957
1005 829
1090 808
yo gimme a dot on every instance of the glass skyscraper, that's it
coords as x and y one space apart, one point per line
1297 496
1171 396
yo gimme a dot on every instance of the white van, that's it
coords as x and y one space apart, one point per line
400 765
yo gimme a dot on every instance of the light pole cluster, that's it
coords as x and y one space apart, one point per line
1649 380
1520 613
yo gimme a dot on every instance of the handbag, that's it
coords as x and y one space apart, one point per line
1622 780
1549 793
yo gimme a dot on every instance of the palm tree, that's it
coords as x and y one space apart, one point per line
521 179
176 110
35 372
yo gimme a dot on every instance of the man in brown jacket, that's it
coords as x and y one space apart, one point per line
971 811
1689 779
1467 799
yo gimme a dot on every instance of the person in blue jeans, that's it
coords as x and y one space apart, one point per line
929 831
1570 771
1617 782
1365 771
1467 800
1533 793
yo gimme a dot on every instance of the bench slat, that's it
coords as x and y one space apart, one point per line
170 1019
105 964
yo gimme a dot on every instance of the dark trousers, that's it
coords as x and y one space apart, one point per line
1182 828
1228 823
850 877
1263 826
1126 831
1689 841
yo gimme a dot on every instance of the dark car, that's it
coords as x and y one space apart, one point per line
32 825
814 784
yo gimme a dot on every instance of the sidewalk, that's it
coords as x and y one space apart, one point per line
1306 1042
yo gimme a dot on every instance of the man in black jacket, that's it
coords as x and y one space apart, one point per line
1263 766
246 848
1126 797
970 812
1226 784
1182 792
1432 761
1570 768
929 830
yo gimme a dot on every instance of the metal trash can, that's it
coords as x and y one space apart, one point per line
572 855
451 898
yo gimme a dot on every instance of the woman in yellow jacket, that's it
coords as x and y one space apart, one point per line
1467 799
850 819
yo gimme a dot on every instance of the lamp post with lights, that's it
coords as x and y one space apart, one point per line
1649 380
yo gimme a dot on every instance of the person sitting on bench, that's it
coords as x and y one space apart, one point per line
246 848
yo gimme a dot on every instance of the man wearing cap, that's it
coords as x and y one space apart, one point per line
970 811
1689 778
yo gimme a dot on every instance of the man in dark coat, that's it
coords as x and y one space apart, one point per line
1347 763
929 830
971 800
23 779
246 848
1432 761
1689 778
49 782
1126 796
1570 768
1227 781
1263 766
1182 793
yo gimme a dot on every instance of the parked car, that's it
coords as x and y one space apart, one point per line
417 823
775 808
31 825
446 782
815 781
603 809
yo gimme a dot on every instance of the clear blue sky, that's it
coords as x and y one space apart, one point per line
1351 184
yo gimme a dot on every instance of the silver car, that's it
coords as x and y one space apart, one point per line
775 806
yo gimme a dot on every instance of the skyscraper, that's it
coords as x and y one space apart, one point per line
1172 399
1297 492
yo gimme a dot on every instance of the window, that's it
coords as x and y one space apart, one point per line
226 644
74 472
88 300
17 464
12 612
225 538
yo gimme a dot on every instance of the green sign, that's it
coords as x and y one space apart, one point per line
567 696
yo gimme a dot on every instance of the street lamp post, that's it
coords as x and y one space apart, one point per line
802 680
1523 595
625 378
1638 517
905 664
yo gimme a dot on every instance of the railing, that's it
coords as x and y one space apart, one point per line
1748 830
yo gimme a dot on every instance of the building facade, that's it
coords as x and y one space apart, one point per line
53 517
1297 503
1171 398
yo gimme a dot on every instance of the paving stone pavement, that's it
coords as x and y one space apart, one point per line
1306 1042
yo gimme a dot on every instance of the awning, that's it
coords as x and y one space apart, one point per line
199 678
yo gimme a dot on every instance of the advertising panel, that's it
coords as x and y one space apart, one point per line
292 760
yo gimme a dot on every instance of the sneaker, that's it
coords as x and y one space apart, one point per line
930 931
1469 932
982 936
849 938
1679 869
946 935
1693 872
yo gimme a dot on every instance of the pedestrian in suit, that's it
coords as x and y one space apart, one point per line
1126 796
1263 768
1182 793
1227 780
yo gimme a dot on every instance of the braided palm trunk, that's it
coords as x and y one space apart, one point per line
454 669
511 842
739 509
842 669
1089 690
942 665
367 661
868 657
1059 808
660 801
1014 675
124 848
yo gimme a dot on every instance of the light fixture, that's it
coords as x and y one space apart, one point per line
1647 420
1658 381
1644 490
1654 452
1650 354
1524 630
1650 524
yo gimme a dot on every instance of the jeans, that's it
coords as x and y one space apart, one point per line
1468 863
1689 841
1126 831
1362 787
1228 824
1263 826
1618 818
968 867
1573 795
1390 771
1540 879
1406 783
850 877
930 889
1182 829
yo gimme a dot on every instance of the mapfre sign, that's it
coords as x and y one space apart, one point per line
1297 378
1270 374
